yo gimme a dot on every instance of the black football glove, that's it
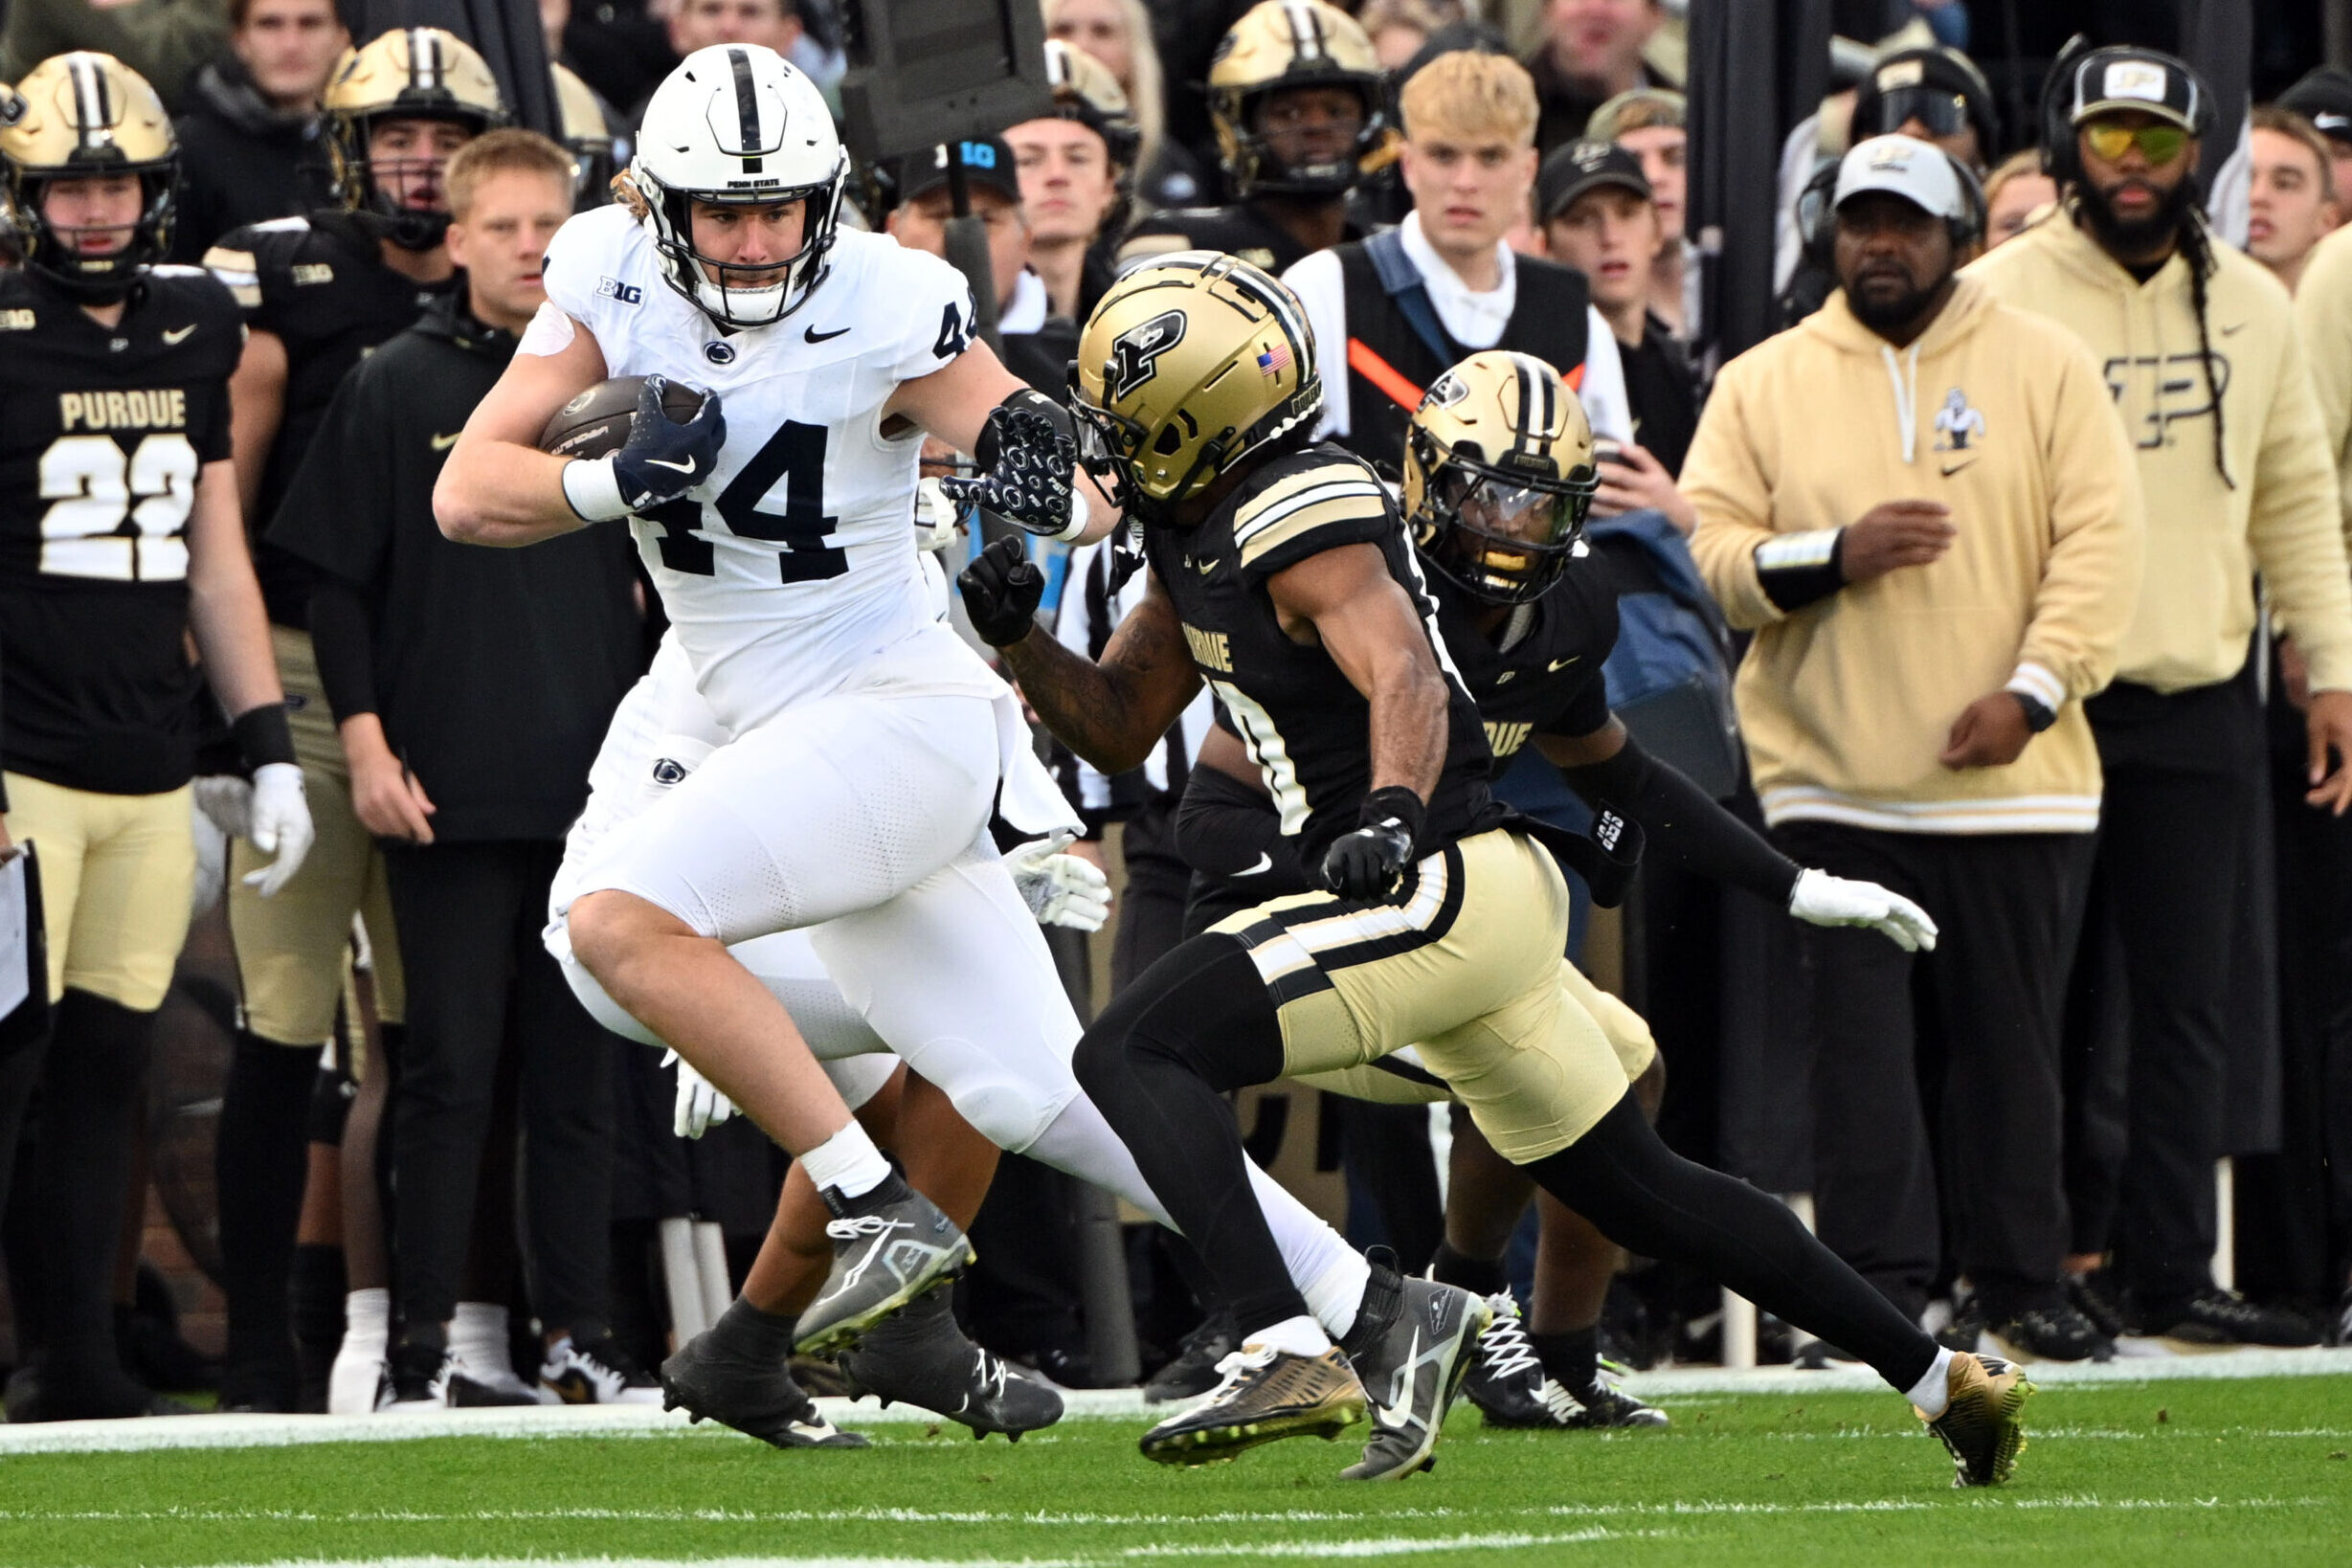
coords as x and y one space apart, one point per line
1027 458
1002 588
1366 864
663 460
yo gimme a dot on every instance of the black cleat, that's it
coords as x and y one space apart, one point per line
2054 1333
2093 1295
755 1397
921 1358
1194 1371
2214 1316
1606 1404
889 1246
1506 1382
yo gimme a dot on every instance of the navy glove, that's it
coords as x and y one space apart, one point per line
1027 456
661 461
1002 588
1366 864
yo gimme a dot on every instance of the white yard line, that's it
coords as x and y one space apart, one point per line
1106 1403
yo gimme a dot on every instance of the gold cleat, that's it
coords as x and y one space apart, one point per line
1983 1422
1267 1394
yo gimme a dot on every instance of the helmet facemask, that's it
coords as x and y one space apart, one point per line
1504 534
55 253
735 295
1258 171
376 188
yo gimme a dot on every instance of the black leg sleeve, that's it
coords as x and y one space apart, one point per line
1158 1062
1651 1200
258 1165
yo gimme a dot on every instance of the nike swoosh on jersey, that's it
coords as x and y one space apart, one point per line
442 444
1561 664
1266 862
174 336
812 335
1952 468
675 467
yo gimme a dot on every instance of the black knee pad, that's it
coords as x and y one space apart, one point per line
1201 1007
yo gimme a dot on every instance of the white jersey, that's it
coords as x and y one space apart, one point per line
791 572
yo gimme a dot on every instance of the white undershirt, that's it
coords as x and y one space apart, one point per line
1472 318
1025 312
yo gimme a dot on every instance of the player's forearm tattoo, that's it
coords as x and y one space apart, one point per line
1101 712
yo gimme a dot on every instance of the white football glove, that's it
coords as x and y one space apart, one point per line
280 824
1060 889
1823 900
701 1106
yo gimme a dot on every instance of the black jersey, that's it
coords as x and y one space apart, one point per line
320 285
1546 677
1237 230
1308 728
104 432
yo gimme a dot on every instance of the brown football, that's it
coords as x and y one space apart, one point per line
595 424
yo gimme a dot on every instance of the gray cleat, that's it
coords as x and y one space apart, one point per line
921 1358
889 1246
1413 1343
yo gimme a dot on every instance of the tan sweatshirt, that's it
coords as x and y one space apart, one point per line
1847 701
2207 538
2324 324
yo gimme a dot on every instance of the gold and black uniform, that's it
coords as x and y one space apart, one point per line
103 433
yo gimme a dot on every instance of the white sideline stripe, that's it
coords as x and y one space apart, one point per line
611 1421
1380 1546
1041 1519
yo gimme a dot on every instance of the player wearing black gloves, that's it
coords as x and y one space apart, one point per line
661 460
1281 574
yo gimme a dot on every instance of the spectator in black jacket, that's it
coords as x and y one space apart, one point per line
249 141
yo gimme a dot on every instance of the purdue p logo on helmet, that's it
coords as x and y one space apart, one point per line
1498 474
1190 364
80 116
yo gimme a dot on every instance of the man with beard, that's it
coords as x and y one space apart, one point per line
2199 352
1933 588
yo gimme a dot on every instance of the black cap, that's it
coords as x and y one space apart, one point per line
1576 166
1879 99
986 160
2123 79
2324 98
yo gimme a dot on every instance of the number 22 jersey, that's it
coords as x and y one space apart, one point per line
102 433
790 574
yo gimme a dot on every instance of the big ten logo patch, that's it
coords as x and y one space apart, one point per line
2153 394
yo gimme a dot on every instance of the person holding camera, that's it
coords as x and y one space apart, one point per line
1913 714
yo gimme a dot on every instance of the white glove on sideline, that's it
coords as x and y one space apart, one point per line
701 1106
226 802
1823 900
280 824
1060 889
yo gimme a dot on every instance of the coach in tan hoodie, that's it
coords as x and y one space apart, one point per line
1923 503
2197 343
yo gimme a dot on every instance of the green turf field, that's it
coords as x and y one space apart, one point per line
2253 1470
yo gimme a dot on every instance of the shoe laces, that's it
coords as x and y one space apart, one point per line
607 1355
1235 1367
853 1226
1504 1347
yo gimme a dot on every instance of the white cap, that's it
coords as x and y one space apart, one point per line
1920 173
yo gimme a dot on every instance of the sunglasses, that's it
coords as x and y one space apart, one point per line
1943 114
2110 140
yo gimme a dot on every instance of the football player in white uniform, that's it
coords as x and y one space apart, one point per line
868 742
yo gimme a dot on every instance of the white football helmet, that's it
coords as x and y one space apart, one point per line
737 123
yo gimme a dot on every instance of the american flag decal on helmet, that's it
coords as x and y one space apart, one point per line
1275 360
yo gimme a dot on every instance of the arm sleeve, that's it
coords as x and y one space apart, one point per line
2297 526
1728 483
2090 583
344 638
1607 406
1678 819
1322 292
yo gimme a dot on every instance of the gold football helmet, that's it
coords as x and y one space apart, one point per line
1086 91
1498 474
71 117
1191 362
586 137
1282 44
411 73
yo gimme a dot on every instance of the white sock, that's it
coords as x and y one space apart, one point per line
478 1336
847 1160
366 1319
1330 1273
1295 1335
1337 1294
1934 1389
